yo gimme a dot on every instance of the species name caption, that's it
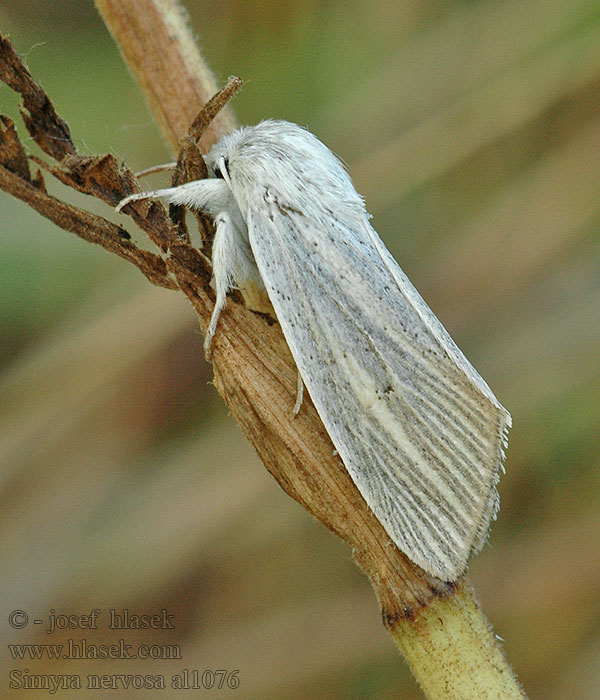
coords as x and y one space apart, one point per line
56 623
420 432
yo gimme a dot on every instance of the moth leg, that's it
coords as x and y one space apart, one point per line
225 262
299 396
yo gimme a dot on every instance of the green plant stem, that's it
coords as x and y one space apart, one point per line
455 631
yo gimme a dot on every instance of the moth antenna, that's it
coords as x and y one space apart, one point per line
133 198
156 169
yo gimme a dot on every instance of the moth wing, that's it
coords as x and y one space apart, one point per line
419 431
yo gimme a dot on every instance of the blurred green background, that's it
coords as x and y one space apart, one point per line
473 130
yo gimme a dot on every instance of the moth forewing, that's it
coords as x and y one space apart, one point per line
420 432
421 440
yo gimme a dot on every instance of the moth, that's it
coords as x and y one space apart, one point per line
420 432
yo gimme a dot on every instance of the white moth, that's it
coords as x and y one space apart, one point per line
419 431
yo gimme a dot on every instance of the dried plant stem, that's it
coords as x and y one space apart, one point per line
438 626
160 50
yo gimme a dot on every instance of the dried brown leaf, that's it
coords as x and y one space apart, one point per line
12 153
43 123
88 226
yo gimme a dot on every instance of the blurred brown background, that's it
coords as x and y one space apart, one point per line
473 130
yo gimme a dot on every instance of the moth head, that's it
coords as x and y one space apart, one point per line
221 168
222 156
